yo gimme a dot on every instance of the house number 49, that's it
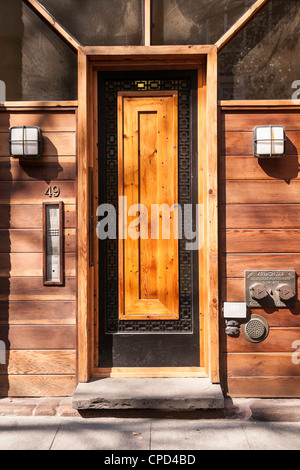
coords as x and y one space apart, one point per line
52 191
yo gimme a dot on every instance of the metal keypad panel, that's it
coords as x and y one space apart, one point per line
270 288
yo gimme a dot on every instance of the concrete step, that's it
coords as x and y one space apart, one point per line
171 394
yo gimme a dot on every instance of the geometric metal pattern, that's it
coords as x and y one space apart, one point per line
112 323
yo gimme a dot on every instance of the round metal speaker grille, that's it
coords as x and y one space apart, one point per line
256 330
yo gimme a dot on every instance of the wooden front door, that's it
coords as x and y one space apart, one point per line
148 244
148 296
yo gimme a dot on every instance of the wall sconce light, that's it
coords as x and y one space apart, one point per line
269 141
25 142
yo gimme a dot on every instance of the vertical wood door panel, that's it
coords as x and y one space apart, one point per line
148 246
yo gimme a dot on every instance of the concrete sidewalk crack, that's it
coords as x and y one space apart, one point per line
245 434
54 437
150 435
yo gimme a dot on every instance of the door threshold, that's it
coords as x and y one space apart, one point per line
170 394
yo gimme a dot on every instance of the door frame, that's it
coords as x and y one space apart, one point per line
91 60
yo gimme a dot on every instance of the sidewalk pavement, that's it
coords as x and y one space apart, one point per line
117 434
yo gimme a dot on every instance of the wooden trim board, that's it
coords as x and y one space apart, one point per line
151 372
87 305
51 21
241 23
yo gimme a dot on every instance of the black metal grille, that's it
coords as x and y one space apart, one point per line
110 266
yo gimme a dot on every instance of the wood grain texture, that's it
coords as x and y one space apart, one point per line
29 216
147 22
259 217
211 201
47 120
150 372
84 301
264 387
241 143
45 169
251 168
31 264
146 54
233 290
38 312
262 216
33 192
31 241
245 121
39 363
279 340
148 284
31 337
37 323
260 241
32 289
54 144
37 385
262 365
262 192
234 265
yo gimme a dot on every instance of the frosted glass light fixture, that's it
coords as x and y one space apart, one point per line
25 142
269 141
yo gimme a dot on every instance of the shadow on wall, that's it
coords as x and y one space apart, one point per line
285 168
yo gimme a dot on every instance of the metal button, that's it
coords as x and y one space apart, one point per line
285 291
258 291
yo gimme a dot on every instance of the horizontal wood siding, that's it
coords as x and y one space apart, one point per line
37 323
259 229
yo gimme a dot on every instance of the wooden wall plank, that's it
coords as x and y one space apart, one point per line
264 387
264 192
37 385
31 264
38 312
245 121
261 364
252 168
233 290
259 220
45 169
37 322
38 336
279 340
50 120
25 216
39 362
234 265
263 216
31 241
54 144
241 143
33 289
256 241
33 192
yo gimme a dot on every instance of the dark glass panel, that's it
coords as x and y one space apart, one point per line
35 64
100 22
263 61
194 21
